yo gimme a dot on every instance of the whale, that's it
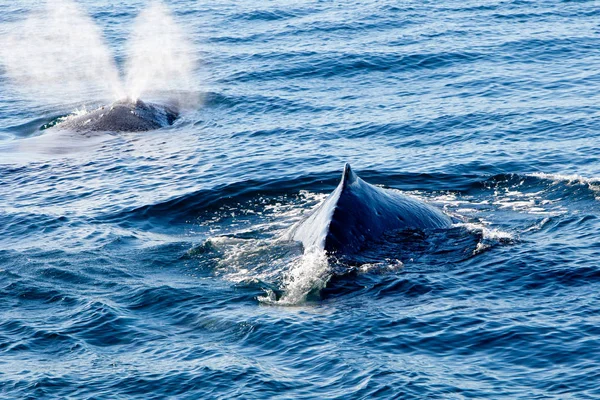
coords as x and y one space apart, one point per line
121 116
357 213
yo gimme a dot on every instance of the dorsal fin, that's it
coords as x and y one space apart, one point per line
348 177
357 212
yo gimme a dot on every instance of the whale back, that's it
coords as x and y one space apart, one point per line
122 116
357 212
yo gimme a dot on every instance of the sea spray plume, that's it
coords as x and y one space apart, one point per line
57 55
160 58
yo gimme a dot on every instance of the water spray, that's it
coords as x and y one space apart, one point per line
58 56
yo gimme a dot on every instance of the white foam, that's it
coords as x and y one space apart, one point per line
538 226
592 183
489 236
569 178
307 273
487 233
382 267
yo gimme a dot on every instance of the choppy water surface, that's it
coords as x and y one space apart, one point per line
145 265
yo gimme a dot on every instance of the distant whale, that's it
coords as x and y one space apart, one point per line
357 212
122 116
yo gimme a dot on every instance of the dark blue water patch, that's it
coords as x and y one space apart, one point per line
36 339
407 285
552 48
419 133
544 14
521 279
246 38
29 223
261 104
267 133
575 276
27 293
99 324
375 23
214 99
268 15
422 181
62 276
157 299
19 121
348 65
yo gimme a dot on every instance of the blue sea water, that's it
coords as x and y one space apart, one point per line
145 265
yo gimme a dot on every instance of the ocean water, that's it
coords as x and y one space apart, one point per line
146 265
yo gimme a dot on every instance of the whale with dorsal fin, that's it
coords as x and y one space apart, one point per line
122 116
357 212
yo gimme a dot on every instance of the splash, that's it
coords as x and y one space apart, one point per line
249 260
58 56
308 273
490 237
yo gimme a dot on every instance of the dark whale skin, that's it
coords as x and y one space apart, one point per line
357 212
122 116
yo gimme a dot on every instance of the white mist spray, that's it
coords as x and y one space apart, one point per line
160 61
58 56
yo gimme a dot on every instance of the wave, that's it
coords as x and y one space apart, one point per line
192 204
268 15
316 65
260 103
